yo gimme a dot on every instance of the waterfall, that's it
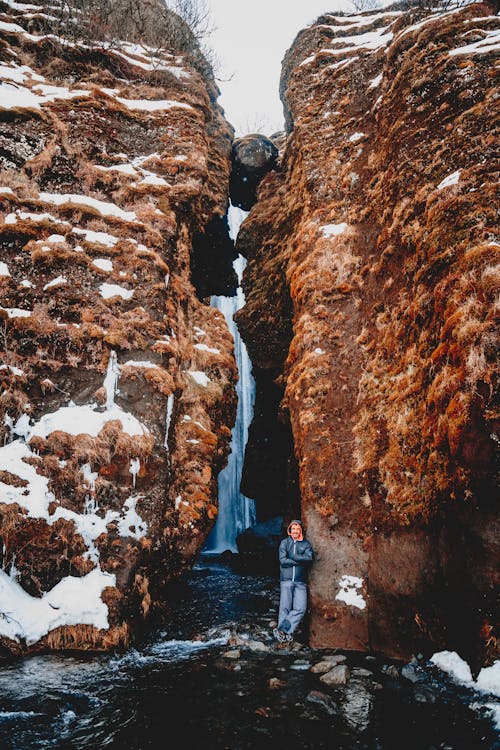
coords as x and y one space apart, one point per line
236 511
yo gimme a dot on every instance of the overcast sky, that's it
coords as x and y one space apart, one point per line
250 40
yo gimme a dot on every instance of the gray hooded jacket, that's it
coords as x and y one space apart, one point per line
295 558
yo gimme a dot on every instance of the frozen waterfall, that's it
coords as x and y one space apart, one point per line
236 511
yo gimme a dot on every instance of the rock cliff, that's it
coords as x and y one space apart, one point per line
117 382
372 295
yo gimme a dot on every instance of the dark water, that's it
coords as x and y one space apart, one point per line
178 689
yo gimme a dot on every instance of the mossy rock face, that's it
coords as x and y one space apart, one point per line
370 304
112 167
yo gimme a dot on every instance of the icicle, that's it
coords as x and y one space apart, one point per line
135 466
13 570
111 379
170 408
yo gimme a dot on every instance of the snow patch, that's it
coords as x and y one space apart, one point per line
72 601
58 281
115 290
333 230
104 264
199 377
452 179
350 591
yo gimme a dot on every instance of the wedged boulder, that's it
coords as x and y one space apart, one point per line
252 157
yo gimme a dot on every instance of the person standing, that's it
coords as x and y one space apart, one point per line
295 556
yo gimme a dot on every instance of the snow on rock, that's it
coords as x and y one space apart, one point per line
333 230
34 495
103 208
350 591
453 664
14 370
16 312
104 264
104 189
100 238
205 348
115 290
488 679
77 420
58 281
452 179
489 43
152 105
199 377
34 218
139 363
131 524
72 601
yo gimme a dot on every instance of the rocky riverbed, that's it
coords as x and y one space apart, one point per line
215 676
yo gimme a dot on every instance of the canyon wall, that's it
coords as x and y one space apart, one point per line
371 302
117 378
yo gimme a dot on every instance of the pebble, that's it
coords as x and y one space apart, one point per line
360 672
300 664
327 664
275 682
234 654
391 671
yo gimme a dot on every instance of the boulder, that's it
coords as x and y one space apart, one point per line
252 157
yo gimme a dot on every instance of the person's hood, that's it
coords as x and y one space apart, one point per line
295 520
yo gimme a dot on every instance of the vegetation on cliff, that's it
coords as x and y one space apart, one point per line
117 389
376 244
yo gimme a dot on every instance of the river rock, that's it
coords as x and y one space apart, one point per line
275 682
234 654
391 671
326 664
361 672
326 702
339 675
357 706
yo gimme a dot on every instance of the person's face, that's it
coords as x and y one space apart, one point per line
295 531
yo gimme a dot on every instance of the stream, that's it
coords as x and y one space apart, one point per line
215 678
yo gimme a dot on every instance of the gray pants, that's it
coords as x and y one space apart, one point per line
293 605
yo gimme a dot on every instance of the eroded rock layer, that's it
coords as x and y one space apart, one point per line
117 389
372 290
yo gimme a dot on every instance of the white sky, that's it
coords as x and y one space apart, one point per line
250 41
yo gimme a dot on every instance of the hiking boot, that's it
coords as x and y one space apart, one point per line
280 635
288 637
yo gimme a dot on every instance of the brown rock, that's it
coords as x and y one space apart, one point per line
339 675
373 316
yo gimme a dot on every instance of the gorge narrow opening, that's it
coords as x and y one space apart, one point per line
236 511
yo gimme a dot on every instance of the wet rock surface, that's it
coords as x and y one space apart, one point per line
216 678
